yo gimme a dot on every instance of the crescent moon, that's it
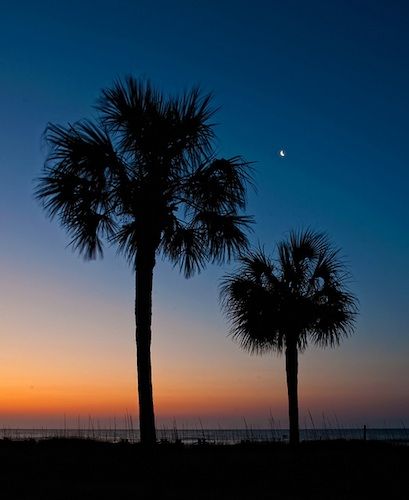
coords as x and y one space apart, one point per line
282 153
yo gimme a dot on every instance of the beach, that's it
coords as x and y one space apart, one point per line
79 469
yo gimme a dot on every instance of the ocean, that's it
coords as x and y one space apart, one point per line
215 436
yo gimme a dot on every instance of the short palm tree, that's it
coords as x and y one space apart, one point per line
285 303
144 177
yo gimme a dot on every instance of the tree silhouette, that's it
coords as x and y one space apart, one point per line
282 304
144 177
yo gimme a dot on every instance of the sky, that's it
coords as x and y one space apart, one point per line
325 81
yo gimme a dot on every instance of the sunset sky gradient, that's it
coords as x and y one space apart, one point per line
326 81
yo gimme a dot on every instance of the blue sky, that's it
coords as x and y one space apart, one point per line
326 81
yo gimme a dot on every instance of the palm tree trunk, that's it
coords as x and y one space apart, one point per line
145 262
291 365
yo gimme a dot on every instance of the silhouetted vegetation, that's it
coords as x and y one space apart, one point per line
144 177
283 304
75 469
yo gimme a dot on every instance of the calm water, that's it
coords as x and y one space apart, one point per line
221 436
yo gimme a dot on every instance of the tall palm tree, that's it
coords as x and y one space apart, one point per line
144 176
285 303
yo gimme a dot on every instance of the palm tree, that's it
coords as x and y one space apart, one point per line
282 304
144 176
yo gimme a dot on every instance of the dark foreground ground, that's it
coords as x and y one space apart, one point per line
79 469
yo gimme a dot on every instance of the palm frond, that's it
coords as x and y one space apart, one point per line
246 305
87 229
126 238
220 184
83 148
81 164
257 266
79 208
183 245
136 113
193 133
164 133
224 235
334 316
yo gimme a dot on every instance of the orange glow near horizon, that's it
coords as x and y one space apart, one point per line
82 364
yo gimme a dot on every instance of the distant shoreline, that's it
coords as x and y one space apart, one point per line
208 435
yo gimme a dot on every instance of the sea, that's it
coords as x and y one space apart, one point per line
211 436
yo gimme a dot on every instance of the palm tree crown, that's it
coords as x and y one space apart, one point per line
144 176
300 295
146 169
